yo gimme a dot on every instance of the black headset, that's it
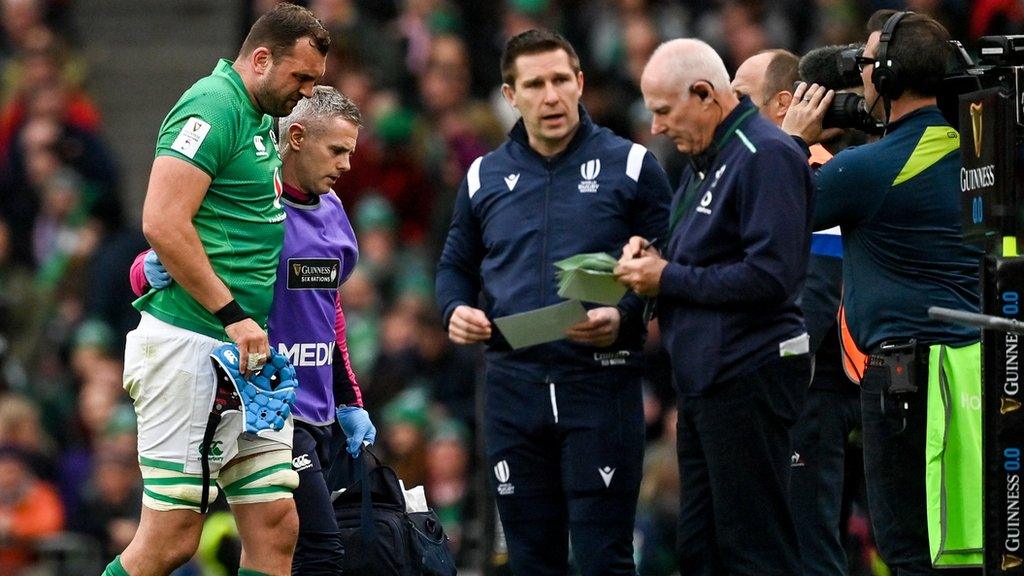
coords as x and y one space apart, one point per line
886 73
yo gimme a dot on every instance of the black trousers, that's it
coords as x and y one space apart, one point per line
818 470
734 465
566 461
894 467
318 550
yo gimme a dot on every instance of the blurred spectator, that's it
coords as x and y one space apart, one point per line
19 18
742 28
995 17
381 255
42 61
390 166
362 321
419 19
395 368
359 41
20 429
404 438
112 501
59 230
420 352
99 397
49 125
16 303
457 131
448 480
92 345
30 511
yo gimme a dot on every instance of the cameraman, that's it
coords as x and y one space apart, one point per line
897 201
832 408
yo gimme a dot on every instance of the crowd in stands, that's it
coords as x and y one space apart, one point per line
425 75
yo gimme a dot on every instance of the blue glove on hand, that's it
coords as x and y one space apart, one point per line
156 274
355 422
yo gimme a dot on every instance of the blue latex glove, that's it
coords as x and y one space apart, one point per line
355 422
156 274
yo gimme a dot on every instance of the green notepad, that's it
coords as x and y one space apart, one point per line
589 278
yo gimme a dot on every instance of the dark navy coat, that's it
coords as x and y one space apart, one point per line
737 253
517 213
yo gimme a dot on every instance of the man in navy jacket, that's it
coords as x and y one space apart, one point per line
564 423
727 290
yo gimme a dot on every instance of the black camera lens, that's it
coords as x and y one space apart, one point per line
844 110
849 110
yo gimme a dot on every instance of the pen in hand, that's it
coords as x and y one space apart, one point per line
647 244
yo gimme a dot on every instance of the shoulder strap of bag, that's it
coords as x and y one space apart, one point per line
367 526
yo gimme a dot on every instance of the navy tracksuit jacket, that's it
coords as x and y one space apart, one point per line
564 422
517 213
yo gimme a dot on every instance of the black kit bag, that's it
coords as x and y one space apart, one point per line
380 537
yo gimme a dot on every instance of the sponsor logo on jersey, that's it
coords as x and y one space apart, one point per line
502 473
589 171
261 148
301 462
704 207
511 181
313 273
191 137
611 358
310 354
705 201
606 474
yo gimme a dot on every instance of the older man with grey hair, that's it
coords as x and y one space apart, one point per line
727 286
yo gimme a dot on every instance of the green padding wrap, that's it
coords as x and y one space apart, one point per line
953 470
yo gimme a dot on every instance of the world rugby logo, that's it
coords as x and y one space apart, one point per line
589 171
501 471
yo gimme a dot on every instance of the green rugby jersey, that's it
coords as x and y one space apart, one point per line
216 128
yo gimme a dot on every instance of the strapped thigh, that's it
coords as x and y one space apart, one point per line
264 477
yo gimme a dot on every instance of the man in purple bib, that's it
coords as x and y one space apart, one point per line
306 321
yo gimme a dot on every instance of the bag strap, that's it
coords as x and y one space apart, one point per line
366 524
334 477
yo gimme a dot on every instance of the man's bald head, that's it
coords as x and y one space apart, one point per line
768 78
750 76
686 88
679 63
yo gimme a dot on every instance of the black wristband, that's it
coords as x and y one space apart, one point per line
230 313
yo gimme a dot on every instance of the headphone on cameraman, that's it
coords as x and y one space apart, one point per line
886 73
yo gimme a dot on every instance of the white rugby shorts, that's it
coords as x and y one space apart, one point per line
169 376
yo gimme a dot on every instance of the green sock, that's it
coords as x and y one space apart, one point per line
115 568
250 572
